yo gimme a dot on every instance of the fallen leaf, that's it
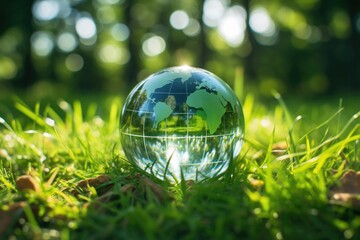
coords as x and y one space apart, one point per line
139 188
27 182
147 186
11 213
98 202
348 189
131 177
347 198
255 183
7 216
101 183
128 188
279 148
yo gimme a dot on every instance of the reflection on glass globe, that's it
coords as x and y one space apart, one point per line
182 122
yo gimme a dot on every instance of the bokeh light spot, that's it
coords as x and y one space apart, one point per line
232 26
153 46
42 43
106 14
120 32
193 28
260 22
114 54
111 1
66 42
65 9
179 19
88 41
303 32
340 24
85 27
315 34
46 10
213 12
74 62
8 68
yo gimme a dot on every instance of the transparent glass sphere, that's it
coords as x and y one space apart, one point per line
182 122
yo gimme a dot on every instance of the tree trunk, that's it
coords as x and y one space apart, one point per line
249 59
353 62
133 65
203 46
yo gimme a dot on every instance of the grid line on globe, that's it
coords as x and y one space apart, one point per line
182 122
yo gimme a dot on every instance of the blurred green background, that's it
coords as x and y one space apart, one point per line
53 48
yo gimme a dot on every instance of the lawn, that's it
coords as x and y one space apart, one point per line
63 176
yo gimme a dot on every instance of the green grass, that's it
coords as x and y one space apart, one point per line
263 195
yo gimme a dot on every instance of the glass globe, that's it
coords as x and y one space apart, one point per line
182 123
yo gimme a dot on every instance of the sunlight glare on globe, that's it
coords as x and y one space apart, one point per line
182 122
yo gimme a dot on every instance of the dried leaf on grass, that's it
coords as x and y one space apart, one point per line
139 188
13 211
279 148
348 189
26 183
254 182
7 217
128 188
149 189
110 196
102 184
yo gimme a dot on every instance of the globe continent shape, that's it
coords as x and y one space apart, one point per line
182 123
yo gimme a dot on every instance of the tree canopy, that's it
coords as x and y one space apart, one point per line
305 47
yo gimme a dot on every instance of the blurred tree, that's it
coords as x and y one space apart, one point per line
15 31
133 65
353 8
306 47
